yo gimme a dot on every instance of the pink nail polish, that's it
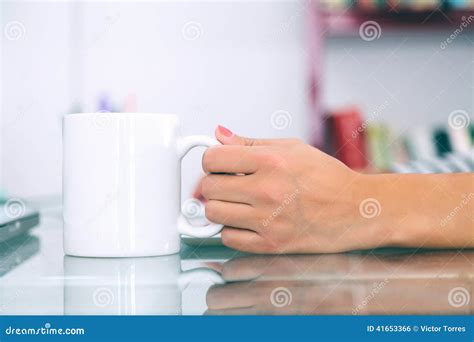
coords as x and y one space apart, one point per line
225 131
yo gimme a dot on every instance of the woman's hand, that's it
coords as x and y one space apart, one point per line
284 196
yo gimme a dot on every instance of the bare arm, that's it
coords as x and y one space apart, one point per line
426 210
289 197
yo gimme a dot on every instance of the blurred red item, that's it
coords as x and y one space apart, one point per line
348 138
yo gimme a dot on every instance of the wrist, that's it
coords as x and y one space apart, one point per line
376 212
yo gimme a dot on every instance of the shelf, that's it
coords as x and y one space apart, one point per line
348 23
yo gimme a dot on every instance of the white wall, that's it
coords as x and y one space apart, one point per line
35 92
1 105
244 66
404 77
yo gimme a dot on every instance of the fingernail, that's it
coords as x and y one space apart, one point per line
225 131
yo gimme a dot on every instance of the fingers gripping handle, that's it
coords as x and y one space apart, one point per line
184 227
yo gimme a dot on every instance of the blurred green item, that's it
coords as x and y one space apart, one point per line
442 143
379 144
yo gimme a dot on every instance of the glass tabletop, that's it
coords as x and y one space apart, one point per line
36 278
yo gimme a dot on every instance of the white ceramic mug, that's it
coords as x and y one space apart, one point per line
121 184
131 286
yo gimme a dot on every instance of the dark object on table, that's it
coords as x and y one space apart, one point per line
16 219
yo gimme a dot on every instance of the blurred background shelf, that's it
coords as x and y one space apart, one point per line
344 17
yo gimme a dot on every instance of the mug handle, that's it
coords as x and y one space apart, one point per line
184 227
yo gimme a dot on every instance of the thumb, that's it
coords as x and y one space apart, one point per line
227 137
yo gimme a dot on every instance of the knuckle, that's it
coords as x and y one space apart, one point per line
208 159
255 247
278 195
212 211
248 141
274 160
228 238
206 186
272 194
268 247
211 300
266 195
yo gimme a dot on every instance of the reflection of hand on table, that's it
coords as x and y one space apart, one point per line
341 284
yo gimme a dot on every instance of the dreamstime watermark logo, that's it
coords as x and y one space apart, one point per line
288 199
281 119
110 21
14 30
22 110
464 24
297 17
286 25
459 296
47 329
281 297
102 119
192 208
459 119
192 30
103 297
370 30
14 208
376 288
370 208
457 209
363 126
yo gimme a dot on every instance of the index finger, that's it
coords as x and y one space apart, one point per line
230 159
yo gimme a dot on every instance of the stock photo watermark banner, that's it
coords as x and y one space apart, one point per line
226 328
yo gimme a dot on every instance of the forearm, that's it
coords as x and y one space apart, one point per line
296 199
422 210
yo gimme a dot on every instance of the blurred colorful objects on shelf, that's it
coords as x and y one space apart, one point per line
344 17
375 147
397 5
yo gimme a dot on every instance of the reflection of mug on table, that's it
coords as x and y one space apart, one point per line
128 286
